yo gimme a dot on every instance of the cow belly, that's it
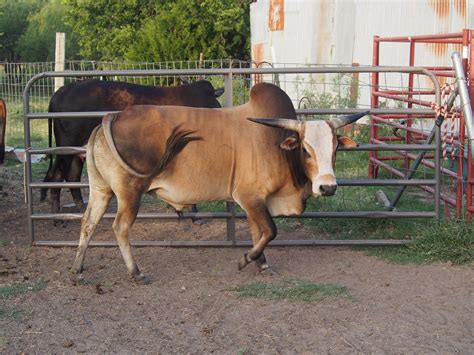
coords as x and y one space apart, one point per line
179 196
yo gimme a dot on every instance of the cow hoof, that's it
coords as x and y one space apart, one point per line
199 222
59 223
243 262
267 270
141 279
75 277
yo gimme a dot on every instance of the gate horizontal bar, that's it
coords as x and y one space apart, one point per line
362 147
59 184
389 147
340 182
310 111
385 182
235 71
225 243
221 215
58 150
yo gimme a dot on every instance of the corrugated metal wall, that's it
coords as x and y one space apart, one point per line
341 31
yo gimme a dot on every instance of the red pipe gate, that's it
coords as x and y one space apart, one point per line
464 41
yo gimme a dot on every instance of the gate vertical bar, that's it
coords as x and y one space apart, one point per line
437 191
465 101
470 71
374 103
230 206
27 164
408 136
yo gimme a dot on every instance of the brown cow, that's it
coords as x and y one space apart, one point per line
184 156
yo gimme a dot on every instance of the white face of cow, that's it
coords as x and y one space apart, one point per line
319 142
319 145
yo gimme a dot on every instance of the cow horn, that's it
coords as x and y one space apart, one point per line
341 121
285 123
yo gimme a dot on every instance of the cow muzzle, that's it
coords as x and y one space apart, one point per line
328 190
324 185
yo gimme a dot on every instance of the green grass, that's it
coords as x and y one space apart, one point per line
448 240
13 290
10 313
293 290
38 169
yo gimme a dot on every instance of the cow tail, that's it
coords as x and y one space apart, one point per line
107 127
90 160
50 141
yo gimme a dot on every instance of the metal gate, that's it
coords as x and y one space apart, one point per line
230 215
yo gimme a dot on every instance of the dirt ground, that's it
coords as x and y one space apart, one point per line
190 307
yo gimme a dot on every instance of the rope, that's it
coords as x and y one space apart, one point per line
451 116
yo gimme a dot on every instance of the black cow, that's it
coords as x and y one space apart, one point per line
98 95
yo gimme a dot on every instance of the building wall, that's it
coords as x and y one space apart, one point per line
342 31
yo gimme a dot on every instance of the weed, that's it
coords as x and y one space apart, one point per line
291 289
9 313
448 240
13 290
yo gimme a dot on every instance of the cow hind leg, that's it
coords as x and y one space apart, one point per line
263 230
48 177
92 216
127 210
58 176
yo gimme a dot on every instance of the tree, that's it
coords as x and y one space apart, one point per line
37 44
107 28
183 29
13 24
153 30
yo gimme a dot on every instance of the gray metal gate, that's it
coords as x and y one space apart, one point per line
230 215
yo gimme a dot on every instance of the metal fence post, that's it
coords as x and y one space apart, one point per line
27 163
230 206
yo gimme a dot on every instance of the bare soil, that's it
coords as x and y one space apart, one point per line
190 307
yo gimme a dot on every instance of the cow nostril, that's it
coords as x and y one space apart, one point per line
328 190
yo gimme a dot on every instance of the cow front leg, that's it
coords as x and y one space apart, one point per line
127 210
92 216
263 230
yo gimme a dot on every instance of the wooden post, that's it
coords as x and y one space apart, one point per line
60 55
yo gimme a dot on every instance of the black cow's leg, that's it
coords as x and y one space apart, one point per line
196 221
74 175
263 230
48 178
58 176
93 214
127 209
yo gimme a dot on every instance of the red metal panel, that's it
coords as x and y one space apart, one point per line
440 44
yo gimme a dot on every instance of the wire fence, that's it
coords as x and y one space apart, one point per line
305 90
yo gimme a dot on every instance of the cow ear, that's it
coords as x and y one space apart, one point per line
290 143
218 92
346 142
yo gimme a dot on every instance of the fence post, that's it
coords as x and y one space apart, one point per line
230 206
59 58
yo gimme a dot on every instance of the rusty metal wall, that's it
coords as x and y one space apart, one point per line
341 31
